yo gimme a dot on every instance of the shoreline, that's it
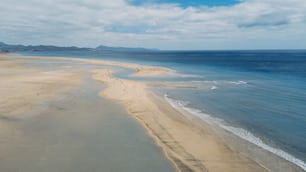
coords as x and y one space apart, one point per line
189 147
243 141
190 144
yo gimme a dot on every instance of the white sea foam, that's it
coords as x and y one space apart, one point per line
175 73
239 82
214 87
242 133
182 105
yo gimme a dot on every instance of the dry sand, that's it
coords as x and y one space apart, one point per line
21 86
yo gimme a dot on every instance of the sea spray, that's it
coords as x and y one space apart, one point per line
240 132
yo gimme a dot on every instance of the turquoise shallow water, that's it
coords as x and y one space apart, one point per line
79 131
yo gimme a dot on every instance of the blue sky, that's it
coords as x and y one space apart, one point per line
188 3
167 24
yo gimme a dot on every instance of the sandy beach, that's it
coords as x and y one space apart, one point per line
53 119
22 86
191 145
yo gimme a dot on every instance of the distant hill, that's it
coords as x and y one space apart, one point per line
19 48
22 48
122 49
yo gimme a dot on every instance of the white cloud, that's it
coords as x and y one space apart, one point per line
249 24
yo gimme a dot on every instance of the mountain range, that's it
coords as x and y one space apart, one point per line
22 48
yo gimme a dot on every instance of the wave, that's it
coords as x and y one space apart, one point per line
213 84
240 132
175 73
239 82
214 87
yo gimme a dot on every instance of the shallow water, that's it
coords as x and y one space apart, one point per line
79 131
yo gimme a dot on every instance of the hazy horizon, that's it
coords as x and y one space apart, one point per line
158 49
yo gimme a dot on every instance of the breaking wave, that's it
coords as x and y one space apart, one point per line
240 132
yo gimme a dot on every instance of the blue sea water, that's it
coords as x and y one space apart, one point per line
258 95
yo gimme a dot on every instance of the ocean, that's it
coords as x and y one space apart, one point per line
259 96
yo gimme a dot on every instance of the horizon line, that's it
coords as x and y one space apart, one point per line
158 49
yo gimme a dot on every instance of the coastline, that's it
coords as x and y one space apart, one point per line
166 127
189 147
190 144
